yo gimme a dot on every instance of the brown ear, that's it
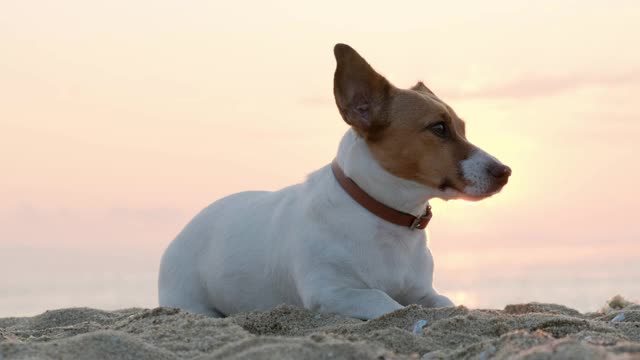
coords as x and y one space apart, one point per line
362 95
421 87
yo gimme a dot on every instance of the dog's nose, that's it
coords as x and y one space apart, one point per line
499 171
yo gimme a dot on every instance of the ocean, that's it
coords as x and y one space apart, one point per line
34 280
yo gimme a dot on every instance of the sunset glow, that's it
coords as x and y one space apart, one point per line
120 120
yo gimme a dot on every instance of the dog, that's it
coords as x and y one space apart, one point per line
350 239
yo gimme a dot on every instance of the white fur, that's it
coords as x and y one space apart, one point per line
474 170
309 244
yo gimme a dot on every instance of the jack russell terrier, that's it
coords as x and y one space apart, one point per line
350 239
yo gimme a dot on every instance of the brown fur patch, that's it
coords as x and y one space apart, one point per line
421 87
408 149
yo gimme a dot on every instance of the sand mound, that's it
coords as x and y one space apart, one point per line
523 331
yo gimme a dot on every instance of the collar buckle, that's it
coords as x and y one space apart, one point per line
417 220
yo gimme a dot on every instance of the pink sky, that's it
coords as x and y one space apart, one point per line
119 120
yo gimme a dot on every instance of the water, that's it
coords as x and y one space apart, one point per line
36 279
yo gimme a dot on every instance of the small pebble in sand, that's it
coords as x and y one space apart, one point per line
617 318
417 328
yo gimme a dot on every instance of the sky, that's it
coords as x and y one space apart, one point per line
120 120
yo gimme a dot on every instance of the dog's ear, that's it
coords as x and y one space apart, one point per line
421 87
362 95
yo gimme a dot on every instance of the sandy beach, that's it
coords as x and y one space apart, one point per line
523 331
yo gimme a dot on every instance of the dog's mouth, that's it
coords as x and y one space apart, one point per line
447 184
478 197
448 187
450 190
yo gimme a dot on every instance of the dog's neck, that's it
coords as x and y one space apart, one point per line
358 163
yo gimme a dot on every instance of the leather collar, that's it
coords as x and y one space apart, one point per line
376 207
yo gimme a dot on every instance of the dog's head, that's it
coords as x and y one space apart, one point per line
412 133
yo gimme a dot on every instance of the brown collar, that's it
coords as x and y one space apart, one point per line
376 207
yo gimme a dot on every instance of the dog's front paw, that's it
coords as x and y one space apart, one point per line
442 301
435 300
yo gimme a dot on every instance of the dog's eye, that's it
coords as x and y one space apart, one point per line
440 129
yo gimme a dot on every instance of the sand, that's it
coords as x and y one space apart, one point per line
524 331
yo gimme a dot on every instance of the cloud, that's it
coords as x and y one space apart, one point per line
525 87
88 227
537 86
